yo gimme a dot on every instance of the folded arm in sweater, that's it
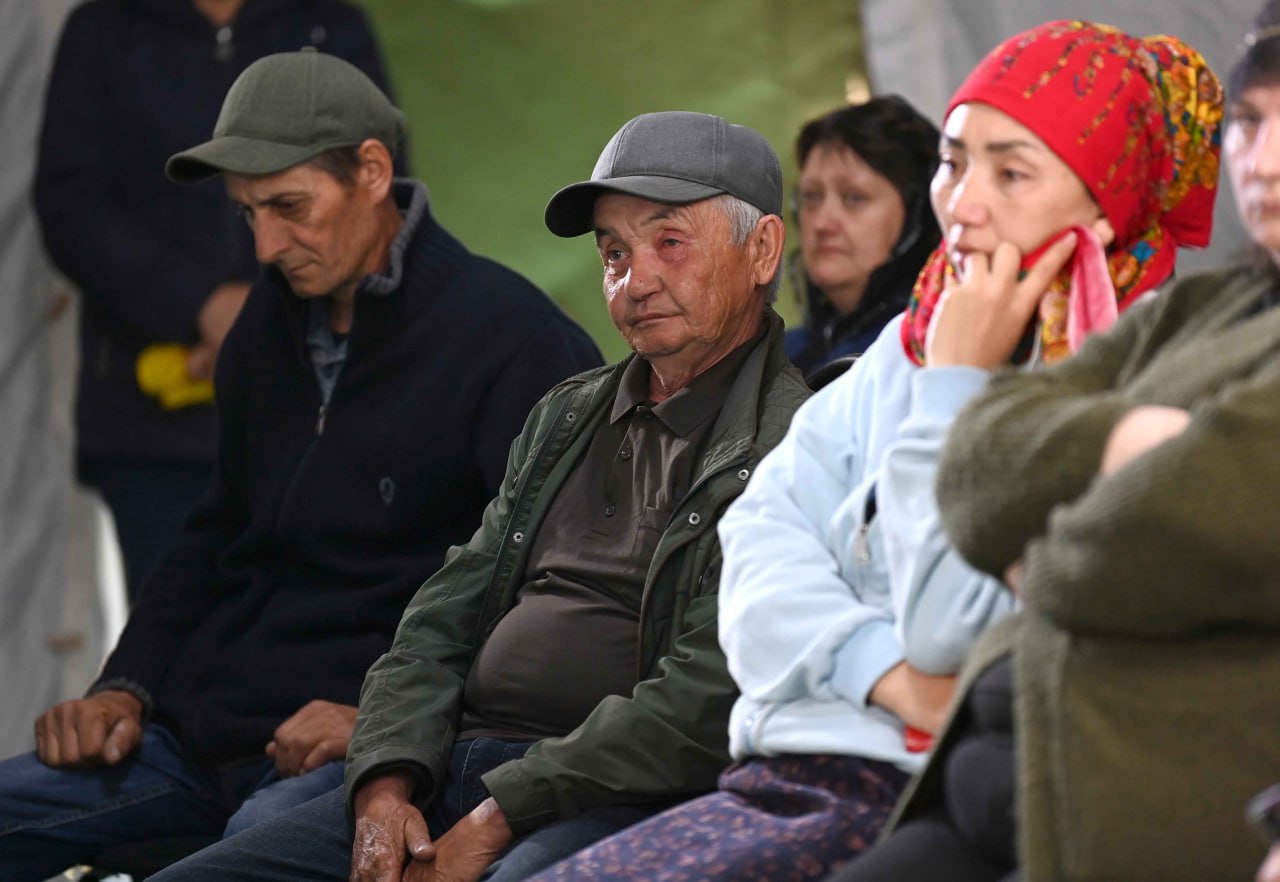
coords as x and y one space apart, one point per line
1030 442
1182 538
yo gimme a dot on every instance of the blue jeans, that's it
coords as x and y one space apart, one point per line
314 840
275 795
52 819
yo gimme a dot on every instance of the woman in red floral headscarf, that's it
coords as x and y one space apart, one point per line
1128 494
1075 160
1077 127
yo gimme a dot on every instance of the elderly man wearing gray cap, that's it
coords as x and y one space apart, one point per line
367 397
560 677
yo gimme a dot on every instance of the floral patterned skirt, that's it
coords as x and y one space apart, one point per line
772 819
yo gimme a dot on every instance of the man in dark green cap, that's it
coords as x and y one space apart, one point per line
367 397
162 271
560 677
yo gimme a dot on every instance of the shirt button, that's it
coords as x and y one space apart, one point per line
517 537
695 518
624 454
610 510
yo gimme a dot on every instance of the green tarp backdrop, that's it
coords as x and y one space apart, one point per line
508 100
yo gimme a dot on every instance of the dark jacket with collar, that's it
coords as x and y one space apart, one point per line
135 81
668 740
293 571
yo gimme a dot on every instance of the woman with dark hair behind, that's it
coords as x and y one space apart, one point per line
862 206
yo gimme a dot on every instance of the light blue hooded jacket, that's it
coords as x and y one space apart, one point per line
836 567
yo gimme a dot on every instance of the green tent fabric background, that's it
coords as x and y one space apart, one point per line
508 100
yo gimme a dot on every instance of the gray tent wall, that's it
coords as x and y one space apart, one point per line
50 636
32 470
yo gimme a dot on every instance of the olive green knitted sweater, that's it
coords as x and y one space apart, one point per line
1148 656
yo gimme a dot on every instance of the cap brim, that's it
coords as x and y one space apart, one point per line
569 213
238 155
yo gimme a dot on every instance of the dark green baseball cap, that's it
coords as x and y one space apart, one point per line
677 157
285 109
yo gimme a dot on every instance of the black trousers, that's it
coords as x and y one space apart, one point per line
928 849
972 836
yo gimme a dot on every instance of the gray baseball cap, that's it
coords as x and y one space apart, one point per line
286 108
676 157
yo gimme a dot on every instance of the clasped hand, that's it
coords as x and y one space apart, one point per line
315 735
393 844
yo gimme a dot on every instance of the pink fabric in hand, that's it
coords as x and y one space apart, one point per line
1091 305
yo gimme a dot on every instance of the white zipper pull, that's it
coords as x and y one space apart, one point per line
862 545
324 409
861 542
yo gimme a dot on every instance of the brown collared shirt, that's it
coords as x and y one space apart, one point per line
572 637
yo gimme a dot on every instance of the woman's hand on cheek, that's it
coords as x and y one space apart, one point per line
983 314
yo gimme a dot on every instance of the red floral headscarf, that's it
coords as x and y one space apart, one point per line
1138 120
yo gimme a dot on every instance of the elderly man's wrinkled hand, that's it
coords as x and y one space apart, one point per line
315 735
390 831
99 730
467 850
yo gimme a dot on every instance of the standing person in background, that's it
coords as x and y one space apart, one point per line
133 82
866 229
844 613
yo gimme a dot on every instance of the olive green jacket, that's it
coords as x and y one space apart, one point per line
666 741
1147 659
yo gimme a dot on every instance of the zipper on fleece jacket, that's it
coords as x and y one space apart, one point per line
861 542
